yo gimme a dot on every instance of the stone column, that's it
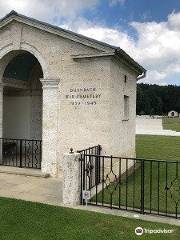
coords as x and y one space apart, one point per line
71 179
1 119
50 126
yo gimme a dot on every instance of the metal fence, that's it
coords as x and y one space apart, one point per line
132 184
21 153
91 168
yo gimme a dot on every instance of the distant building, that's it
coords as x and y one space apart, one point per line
173 114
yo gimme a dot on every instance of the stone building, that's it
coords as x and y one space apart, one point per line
66 89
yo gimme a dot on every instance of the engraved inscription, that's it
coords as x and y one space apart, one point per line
83 96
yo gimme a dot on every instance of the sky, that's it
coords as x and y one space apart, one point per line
148 30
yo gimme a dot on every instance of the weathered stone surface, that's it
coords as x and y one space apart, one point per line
72 179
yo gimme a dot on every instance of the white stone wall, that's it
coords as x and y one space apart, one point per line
123 128
16 117
22 117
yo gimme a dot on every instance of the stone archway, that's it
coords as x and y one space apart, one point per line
21 110
49 106
22 97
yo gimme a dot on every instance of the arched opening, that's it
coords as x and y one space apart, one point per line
22 102
22 110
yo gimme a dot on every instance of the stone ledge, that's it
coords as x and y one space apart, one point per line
23 171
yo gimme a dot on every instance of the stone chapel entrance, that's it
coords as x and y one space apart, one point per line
22 111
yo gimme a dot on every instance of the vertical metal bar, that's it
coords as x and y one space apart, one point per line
12 161
40 153
119 183
134 168
81 197
99 164
96 179
111 200
25 152
166 185
176 169
110 180
32 149
84 172
158 187
96 167
20 157
176 210
126 183
150 190
177 174
102 181
89 170
142 186
14 155
2 151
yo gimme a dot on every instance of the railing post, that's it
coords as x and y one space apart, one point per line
20 158
142 186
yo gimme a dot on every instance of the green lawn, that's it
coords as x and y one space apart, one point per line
156 147
20 220
171 124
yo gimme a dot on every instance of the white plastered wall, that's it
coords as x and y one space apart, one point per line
22 117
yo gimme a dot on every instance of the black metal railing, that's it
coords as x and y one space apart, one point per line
91 168
21 153
133 184
95 150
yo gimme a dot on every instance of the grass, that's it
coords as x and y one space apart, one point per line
157 147
35 221
171 124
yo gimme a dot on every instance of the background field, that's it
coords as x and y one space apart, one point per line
171 124
158 147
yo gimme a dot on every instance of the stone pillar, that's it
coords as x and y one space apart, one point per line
71 179
1 110
1 119
50 126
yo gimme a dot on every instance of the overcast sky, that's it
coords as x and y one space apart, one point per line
148 30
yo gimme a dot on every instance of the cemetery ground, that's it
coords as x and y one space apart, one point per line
171 124
27 220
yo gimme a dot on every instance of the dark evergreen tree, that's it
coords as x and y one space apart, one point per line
159 100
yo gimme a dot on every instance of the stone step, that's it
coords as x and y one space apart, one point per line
163 132
23 171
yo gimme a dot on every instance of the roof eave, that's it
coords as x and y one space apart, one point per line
56 30
117 51
121 53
